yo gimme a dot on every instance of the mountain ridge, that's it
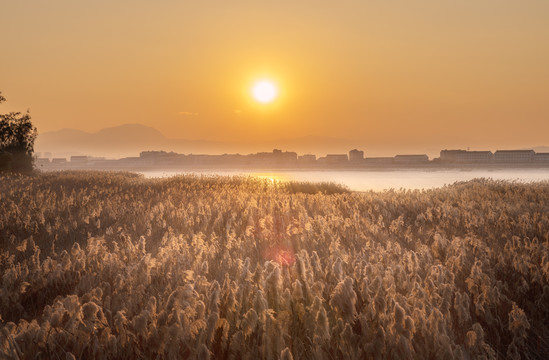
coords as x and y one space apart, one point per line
132 138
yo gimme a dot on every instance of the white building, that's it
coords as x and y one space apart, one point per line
514 156
475 157
379 160
411 159
356 155
541 157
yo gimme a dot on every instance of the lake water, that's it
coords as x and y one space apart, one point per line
364 180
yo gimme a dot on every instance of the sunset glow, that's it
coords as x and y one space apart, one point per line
388 77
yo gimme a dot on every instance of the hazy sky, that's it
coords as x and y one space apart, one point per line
392 73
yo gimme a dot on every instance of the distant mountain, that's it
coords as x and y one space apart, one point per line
131 133
117 141
131 139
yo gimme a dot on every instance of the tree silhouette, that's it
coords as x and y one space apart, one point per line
17 135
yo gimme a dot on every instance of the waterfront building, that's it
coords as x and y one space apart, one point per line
276 157
79 159
475 157
514 156
541 157
336 159
356 155
307 158
379 160
450 155
411 159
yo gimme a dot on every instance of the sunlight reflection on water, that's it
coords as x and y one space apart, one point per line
377 179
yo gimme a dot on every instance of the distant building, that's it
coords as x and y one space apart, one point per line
160 158
475 157
379 160
59 161
541 157
79 159
285 155
336 159
514 156
307 158
411 159
356 155
278 157
450 155
151 154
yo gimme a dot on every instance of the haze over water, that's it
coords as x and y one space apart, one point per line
378 180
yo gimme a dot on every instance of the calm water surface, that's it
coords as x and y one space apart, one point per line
364 180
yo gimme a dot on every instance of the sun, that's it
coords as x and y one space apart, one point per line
264 91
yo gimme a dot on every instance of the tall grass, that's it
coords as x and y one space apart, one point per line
112 265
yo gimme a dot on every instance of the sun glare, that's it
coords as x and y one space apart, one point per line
264 91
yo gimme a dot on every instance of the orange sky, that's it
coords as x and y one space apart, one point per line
406 75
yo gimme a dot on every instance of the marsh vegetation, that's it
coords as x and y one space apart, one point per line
98 265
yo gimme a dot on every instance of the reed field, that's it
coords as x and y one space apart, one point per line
115 266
